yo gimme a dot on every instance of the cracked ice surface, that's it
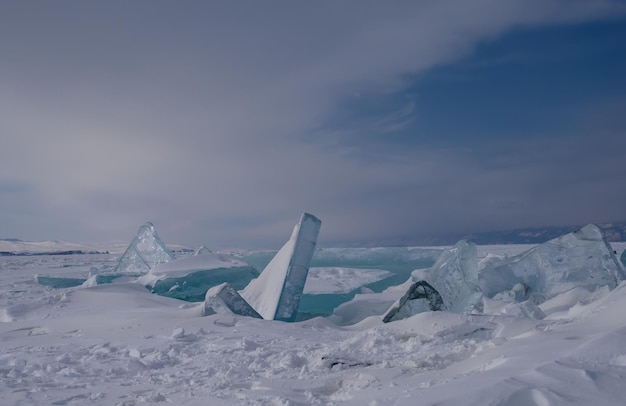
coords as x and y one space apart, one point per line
121 345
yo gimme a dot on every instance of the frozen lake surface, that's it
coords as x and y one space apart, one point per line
118 344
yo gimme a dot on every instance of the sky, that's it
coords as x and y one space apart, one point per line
221 121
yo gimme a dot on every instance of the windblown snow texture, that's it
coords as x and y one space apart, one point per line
145 251
276 293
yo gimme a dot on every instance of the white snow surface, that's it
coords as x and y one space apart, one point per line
120 345
185 266
33 247
341 279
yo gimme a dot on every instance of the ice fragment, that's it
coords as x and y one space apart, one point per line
276 293
145 252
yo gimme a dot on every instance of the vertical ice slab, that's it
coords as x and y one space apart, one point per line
223 299
579 259
276 293
145 251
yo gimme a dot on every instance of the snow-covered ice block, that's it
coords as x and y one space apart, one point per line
189 278
145 252
223 299
579 259
623 258
276 293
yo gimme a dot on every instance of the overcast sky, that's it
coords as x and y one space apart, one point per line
222 121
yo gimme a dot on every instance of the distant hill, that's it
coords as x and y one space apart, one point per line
614 231
11 240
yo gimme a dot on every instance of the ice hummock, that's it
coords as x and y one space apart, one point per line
450 284
276 293
145 252
455 277
579 259
623 258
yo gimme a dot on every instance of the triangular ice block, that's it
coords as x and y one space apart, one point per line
409 305
223 299
145 252
276 293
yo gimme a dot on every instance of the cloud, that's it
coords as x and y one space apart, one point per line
197 117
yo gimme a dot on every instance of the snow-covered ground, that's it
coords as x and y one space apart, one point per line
118 344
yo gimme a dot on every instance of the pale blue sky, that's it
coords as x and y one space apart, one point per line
222 121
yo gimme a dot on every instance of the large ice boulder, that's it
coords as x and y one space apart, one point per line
145 252
579 259
455 277
276 293
450 284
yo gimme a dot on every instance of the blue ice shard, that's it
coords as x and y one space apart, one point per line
450 284
455 277
276 293
145 252
580 259
223 299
